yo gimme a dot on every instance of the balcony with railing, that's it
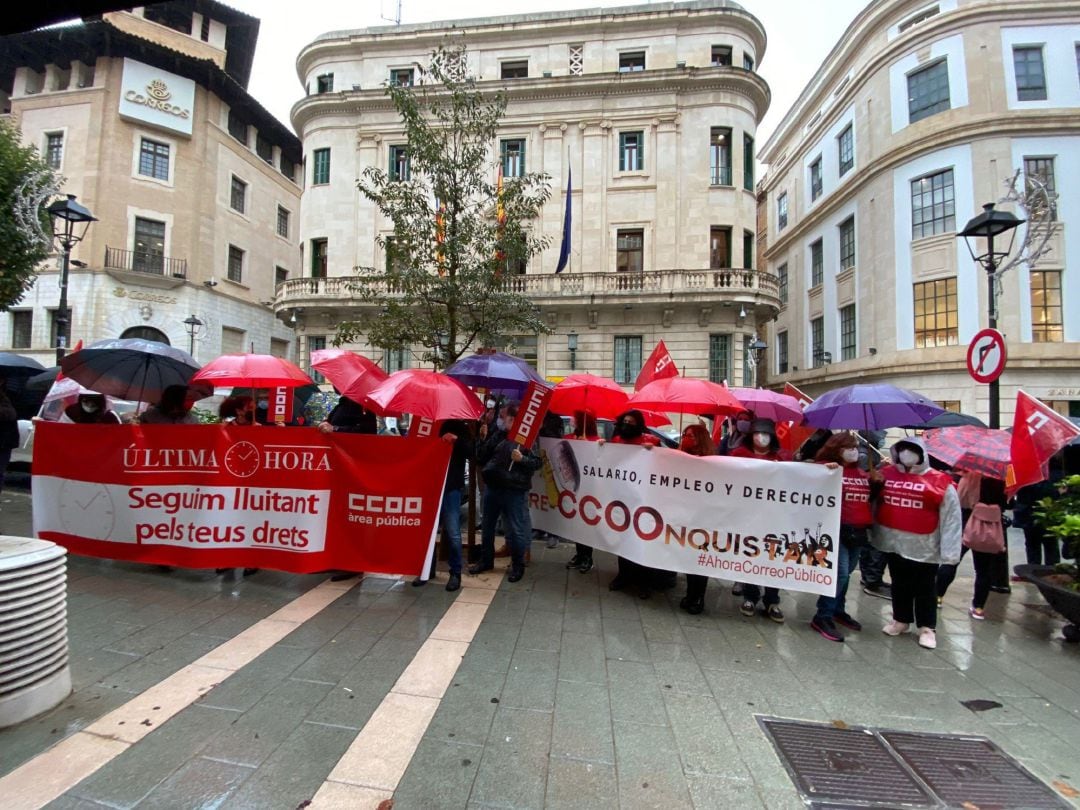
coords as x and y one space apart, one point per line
141 261
653 286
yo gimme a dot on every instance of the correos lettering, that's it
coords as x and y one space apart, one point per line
157 98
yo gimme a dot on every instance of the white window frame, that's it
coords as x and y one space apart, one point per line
136 150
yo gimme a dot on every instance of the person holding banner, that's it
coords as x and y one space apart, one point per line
696 441
763 446
455 432
630 429
173 409
858 491
507 471
917 523
238 411
349 417
91 409
585 430
738 434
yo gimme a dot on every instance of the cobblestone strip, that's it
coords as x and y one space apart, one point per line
370 770
45 777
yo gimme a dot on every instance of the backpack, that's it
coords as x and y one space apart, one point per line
984 530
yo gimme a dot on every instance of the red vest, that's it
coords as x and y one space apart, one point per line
910 502
855 498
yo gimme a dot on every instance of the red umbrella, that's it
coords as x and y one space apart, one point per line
350 373
425 393
599 396
252 371
685 395
768 404
971 448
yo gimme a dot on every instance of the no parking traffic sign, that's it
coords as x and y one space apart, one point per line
986 356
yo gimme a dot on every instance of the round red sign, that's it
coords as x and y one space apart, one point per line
986 356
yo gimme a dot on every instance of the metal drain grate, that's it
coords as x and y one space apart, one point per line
851 766
856 767
972 770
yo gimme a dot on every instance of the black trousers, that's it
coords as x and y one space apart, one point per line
914 596
582 552
695 587
986 565
1041 548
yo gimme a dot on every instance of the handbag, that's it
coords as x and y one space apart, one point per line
984 530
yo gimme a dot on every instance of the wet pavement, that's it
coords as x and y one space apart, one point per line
558 693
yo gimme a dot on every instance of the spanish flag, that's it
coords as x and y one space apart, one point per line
500 219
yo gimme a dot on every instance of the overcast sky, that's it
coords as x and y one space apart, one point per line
800 34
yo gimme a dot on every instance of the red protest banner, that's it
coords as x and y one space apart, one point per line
534 406
211 496
423 428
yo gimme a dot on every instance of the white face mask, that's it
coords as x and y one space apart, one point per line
909 458
491 403
89 407
762 440
850 455
500 423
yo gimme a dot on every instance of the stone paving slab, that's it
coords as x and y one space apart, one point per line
567 696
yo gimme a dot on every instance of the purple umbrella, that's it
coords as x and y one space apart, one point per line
494 370
869 407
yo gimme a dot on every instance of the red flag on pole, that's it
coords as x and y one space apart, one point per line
657 367
792 436
1038 432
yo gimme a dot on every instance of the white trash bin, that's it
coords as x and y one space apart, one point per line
34 671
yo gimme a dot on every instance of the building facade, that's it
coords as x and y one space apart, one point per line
195 186
653 109
921 114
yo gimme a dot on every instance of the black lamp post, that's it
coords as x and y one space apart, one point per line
70 222
758 347
571 345
987 225
192 325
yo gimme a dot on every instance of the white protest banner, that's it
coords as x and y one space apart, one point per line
769 523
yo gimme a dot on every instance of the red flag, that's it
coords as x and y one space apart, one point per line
657 367
1038 432
530 416
792 436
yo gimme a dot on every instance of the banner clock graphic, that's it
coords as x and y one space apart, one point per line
242 459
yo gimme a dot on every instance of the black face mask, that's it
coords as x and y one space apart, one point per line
630 431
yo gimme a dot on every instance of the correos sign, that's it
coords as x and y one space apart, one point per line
157 97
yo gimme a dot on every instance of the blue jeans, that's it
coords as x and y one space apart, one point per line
510 503
847 559
450 519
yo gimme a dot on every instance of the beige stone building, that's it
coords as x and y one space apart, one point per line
919 115
195 185
653 108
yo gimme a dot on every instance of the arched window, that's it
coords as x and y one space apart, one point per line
146 333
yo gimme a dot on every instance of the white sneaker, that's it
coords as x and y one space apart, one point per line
895 628
927 638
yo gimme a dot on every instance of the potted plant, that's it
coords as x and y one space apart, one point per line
1060 584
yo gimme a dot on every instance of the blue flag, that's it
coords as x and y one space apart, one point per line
564 251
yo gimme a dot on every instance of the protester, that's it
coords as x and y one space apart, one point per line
974 492
630 429
349 416
585 430
173 409
1040 547
9 429
858 490
696 441
550 428
917 523
738 433
507 471
458 434
763 446
872 563
91 409
809 449
238 410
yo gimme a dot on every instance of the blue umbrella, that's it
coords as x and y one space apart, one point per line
12 365
494 370
869 407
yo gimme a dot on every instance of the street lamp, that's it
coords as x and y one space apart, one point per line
70 222
758 347
192 325
571 345
987 225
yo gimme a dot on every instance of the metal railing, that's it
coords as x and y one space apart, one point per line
545 285
140 261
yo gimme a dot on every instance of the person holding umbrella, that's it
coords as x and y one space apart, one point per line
585 430
917 523
174 408
9 429
696 441
91 409
456 433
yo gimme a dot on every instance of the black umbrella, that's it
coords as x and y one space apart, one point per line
130 368
946 420
43 381
15 365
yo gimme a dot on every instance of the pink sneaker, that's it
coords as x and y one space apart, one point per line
977 613
895 628
927 638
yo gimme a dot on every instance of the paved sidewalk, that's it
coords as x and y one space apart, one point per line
567 696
